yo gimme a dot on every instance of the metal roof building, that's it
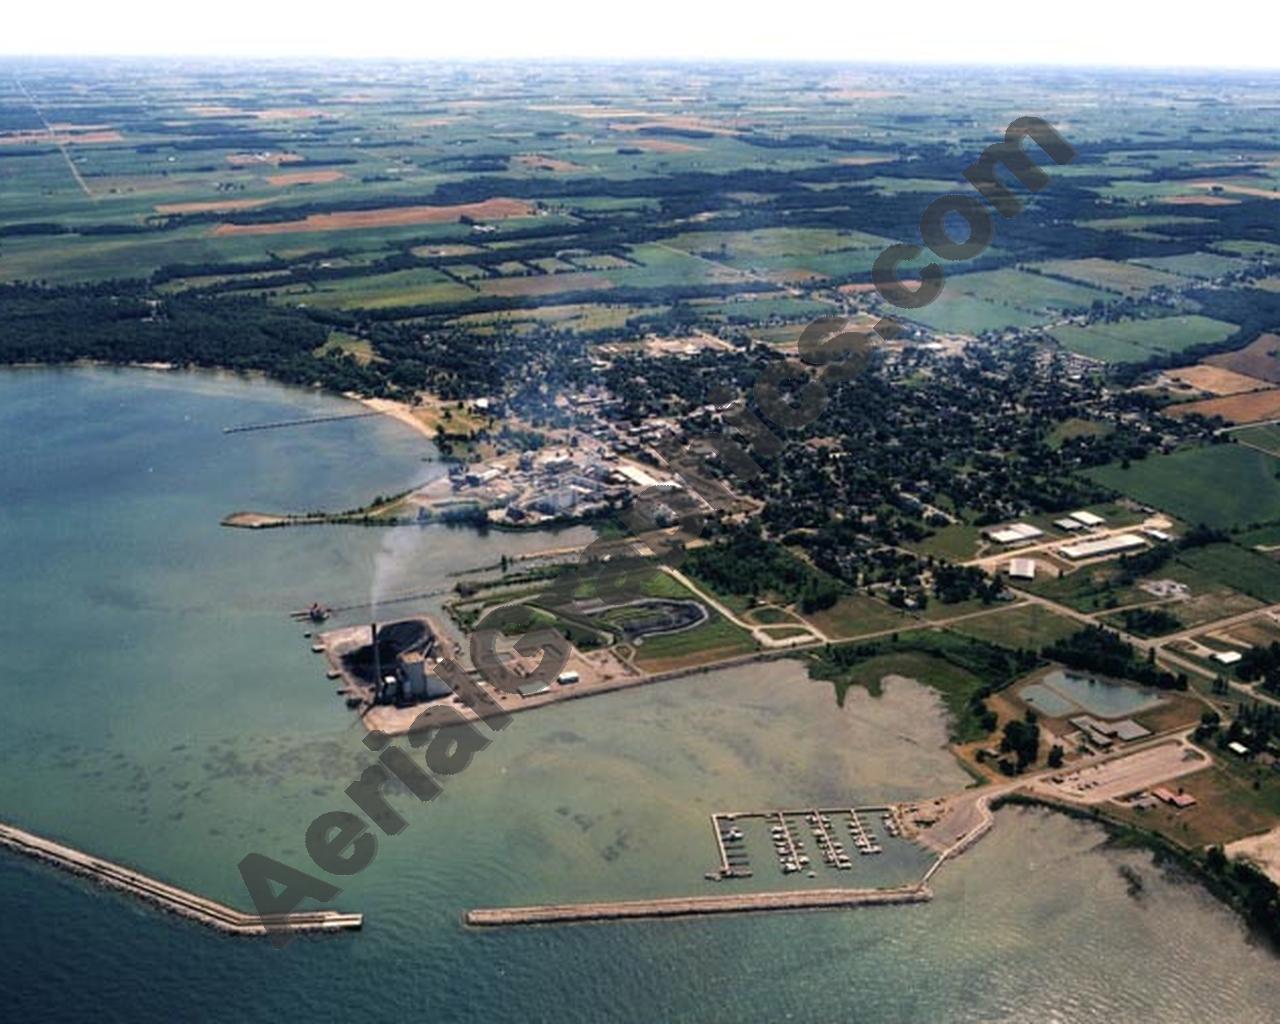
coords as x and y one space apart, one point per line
1104 546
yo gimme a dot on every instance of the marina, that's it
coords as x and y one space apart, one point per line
786 837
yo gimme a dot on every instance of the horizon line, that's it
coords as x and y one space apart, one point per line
652 60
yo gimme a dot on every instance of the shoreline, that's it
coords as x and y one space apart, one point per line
1159 844
396 410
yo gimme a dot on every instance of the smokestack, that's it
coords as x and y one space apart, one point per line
377 660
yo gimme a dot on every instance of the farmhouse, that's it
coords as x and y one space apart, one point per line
1087 518
1105 546
1068 524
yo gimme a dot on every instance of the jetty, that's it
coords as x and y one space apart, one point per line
696 906
245 428
168 897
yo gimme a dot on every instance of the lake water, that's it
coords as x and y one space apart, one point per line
160 708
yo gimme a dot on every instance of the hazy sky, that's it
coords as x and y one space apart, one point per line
1223 34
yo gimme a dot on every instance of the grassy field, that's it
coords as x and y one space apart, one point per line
958 541
1076 427
1135 341
1266 536
1029 626
339 341
856 615
1091 589
716 639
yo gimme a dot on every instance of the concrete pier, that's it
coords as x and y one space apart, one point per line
169 897
696 906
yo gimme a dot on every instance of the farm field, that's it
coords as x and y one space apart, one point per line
1128 279
1265 436
1136 341
1224 486
1216 380
404 288
1260 358
1000 299
1248 572
1196 264
1242 408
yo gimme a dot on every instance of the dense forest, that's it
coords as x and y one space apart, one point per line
126 324
744 563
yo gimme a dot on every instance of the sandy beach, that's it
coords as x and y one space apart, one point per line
396 410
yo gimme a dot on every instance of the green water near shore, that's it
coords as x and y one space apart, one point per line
160 708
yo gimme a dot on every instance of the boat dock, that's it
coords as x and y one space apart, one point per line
787 845
696 906
862 839
169 897
733 857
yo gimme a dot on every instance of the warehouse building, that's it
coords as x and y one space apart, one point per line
1022 568
1105 546
1014 533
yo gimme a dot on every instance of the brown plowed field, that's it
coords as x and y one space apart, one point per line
1259 405
1256 359
211 206
1217 380
390 217
305 178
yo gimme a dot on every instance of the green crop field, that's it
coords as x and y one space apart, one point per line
1265 436
1249 572
404 288
1222 485
1135 341
1195 264
1127 279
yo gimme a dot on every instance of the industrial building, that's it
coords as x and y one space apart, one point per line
410 677
1014 533
1103 734
1104 546
1022 568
